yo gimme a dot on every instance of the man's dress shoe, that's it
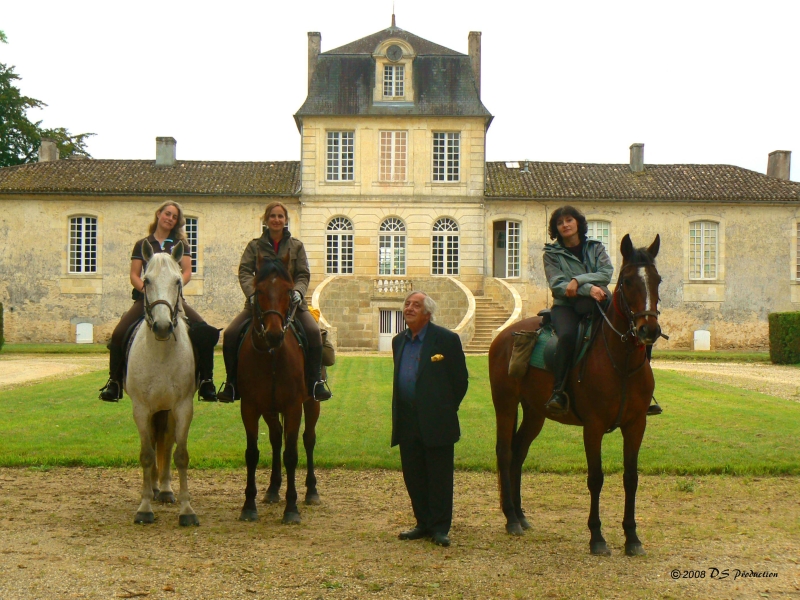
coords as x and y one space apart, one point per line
441 539
413 534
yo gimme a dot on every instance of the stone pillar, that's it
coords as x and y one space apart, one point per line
165 151
475 57
314 46
779 164
637 158
48 150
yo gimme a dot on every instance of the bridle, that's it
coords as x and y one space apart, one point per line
259 330
173 309
625 311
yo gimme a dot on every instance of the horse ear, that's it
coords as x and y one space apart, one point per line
177 251
653 249
147 251
626 247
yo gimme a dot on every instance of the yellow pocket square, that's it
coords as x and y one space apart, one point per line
437 357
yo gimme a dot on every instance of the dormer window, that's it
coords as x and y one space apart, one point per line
393 81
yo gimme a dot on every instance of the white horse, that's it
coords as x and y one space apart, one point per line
161 383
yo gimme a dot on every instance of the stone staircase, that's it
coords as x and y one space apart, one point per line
488 316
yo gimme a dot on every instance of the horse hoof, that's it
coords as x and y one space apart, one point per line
599 549
634 550
514 528
524 523
144 518
272 498
292 518
313 499
248 515
166 497
186 520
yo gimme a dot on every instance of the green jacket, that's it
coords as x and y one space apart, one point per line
298 262
561 267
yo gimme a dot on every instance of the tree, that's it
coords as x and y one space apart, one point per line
19 137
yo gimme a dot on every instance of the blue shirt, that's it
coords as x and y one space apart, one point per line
409 365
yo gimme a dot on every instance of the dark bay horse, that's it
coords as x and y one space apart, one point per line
613 389
272 384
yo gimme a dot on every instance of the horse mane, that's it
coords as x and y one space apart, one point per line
276 266
160 261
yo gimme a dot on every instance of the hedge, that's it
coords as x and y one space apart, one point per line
784 338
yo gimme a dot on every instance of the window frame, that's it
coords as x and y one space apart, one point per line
392 237
389 164
94 248
344 236
341 155
443 162
702 267
445 248
395 83
193 245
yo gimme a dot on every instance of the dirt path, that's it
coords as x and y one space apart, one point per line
18 369
69 533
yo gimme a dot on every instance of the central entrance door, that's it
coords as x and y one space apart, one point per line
392 323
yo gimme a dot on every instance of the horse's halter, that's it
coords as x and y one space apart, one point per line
625 312
259 330
173 309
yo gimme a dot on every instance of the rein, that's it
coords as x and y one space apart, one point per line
173 310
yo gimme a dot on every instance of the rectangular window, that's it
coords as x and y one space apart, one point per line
83 245
512 248
340 253
444 254
600 231
392 255
798 251
340 156
191 237
393 155
446 156
703 236
394 81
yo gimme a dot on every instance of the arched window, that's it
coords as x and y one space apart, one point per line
392 247
444 247
339 246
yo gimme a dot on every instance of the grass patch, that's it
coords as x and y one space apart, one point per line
718 356
55 349
706 428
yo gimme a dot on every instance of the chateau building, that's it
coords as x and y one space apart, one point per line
392 192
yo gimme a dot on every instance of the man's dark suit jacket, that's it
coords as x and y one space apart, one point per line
441 386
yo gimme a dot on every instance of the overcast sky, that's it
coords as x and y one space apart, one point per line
695 81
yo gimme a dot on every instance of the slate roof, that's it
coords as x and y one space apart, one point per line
275 178
565 181
344 79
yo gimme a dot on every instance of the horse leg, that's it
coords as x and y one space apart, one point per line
506 423
164 425
273 494
250 417
632 441
291 513
181 416
528 430
592 444
147 458
311 413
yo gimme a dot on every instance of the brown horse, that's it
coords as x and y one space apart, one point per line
272 384
612 389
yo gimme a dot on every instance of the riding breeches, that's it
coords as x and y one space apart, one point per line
565 321
136 311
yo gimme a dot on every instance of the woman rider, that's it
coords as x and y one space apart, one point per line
165 232
275 242
578 272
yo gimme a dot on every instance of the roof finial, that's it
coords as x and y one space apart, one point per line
393 23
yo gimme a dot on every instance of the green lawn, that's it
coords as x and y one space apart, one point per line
706 428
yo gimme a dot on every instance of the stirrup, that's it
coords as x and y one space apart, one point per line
325 388
654 409
554 407
106 388
213 391
222 396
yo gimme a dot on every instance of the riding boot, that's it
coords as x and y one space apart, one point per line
655 408
229 393
315 385
558 404
204 337
112 390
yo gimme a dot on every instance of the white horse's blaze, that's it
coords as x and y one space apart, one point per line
646 278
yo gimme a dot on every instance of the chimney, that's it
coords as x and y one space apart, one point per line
314 45
637 158
778 165
475 57
165 151
48 151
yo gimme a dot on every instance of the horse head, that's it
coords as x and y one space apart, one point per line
637 289
272 300
163 287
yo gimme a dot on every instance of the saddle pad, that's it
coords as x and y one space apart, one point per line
585 331
537 356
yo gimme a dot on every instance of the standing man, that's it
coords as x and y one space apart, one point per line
430 380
